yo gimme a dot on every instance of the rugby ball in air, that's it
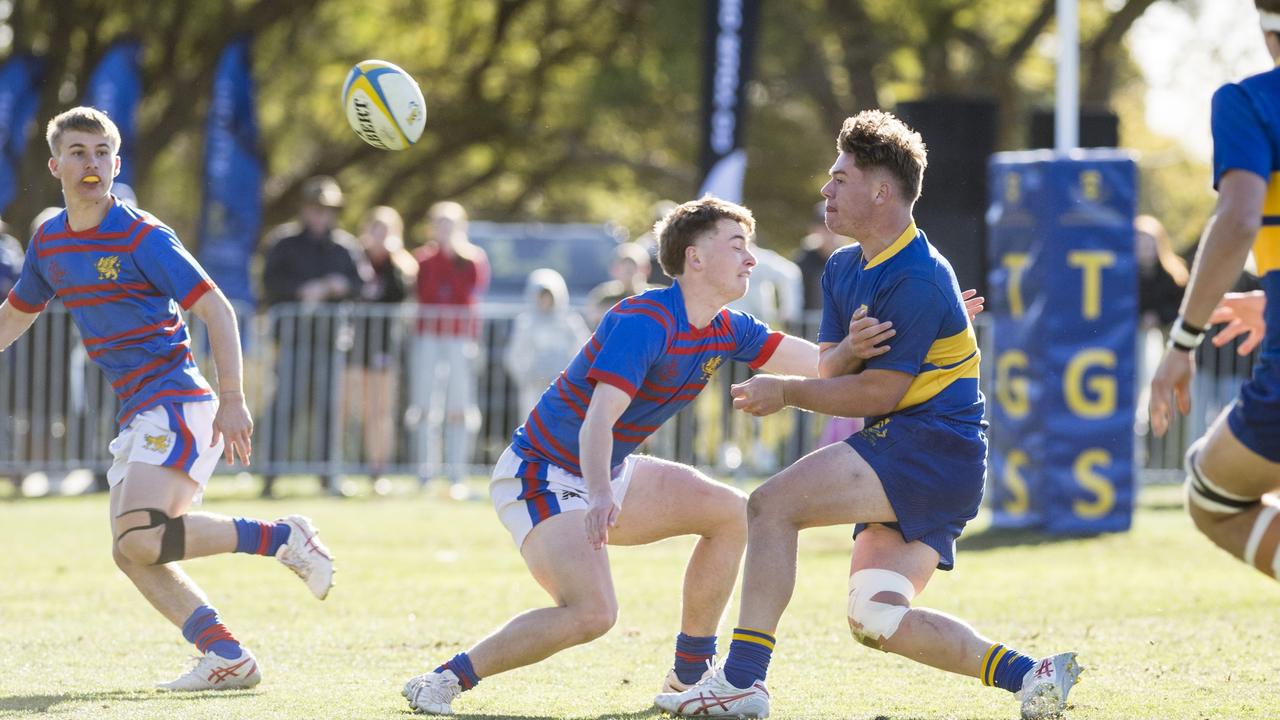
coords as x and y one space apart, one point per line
384 105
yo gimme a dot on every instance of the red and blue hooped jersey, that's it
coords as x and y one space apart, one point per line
645 346
122 282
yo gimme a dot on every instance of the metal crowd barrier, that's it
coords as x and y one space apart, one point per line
333 388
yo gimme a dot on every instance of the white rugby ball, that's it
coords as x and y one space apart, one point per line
384 105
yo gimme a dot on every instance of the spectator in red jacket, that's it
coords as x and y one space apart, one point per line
452 275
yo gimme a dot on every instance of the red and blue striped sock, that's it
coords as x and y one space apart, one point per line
460 665
260 538
692 656
749 656
1005 668
207 632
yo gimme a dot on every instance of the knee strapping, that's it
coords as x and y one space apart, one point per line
872 622
1260 526
1207 495
173 538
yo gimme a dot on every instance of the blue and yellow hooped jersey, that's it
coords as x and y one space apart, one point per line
1246 136
912 285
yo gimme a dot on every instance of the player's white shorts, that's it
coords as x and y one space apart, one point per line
175 436
525 493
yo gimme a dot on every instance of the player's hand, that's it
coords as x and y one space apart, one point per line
1172 382
234 425
761 395
1242 313
866 333
602 514
973 303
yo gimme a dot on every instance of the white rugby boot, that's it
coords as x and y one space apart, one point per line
214 672
433 692
1045 686
715 696
304 554
672 682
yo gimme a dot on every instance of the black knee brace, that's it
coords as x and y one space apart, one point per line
173 539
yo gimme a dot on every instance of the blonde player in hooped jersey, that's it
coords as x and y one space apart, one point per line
123 275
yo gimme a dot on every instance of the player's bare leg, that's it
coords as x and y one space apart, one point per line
830 486
1248 529
667 499
578 579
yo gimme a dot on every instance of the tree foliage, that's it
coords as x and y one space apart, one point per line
547 109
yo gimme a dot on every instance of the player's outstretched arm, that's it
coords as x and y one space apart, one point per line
232 421
13 323
1223 249
867 394
1242 314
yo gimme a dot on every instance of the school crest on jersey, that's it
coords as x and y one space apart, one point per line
109 267
156 443
710 366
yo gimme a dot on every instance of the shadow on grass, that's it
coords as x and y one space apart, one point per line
22 704
650 712
996 538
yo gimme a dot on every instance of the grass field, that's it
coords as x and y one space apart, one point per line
1167 625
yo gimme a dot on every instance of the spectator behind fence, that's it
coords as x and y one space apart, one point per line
452 275
630 272
811 258
370 383
309 262
1162 274
545 338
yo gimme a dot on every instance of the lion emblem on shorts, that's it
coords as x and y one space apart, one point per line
156 443
710 366
879 431
109 267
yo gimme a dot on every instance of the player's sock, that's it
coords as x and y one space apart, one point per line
749 655
207 632
260 538
461 666
1005 668
692 656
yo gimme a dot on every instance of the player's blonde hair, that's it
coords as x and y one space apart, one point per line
84 119
684 224
879 139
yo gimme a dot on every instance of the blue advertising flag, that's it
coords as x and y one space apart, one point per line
231 215
19 98
115 87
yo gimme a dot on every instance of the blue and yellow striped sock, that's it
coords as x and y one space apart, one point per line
749 656
1005 668
460 665
692 656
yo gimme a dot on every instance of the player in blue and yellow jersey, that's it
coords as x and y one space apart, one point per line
122 275
910 480
569 484
1233 472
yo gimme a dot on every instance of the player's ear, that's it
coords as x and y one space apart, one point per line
691 258
116 171
53 168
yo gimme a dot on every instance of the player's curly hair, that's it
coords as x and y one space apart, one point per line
84 119
878 139
684 224
1271 6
